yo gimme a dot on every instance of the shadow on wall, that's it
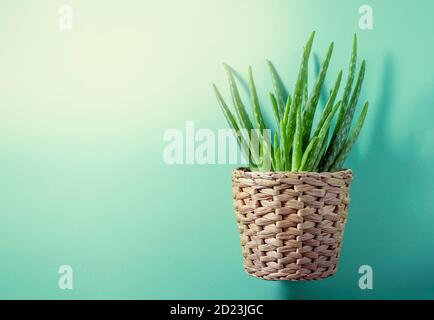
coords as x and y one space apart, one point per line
391 215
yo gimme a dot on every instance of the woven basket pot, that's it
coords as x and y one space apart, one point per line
291 224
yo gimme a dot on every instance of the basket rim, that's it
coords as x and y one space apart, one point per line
247 170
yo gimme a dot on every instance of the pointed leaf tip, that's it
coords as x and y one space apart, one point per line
226 66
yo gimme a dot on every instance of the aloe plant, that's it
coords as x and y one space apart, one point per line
299 143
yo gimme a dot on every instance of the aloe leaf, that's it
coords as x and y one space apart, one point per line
255 102
273 157
343 154
245 122
322 138
347 91
277 153
290 127
267 154
287 110
239 106
288 133
351 74
275 108
227 113
297 144
307 152
329 105
342 134
284 146
276 85
290 116
306 88
322 152
315 95
297 98
264 144
230 118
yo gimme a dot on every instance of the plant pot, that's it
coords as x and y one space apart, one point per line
291 224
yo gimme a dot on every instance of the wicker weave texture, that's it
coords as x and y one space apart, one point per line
291 224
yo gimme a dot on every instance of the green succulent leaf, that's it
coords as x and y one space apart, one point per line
259 119
239 106
314 97
298 142
284 146
329 105
322 152
275 108
302 75
276 85
343 154
342 133
322 138
277 154
351 73
345 98
230 118
312 144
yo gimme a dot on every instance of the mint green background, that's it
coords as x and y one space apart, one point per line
82 115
